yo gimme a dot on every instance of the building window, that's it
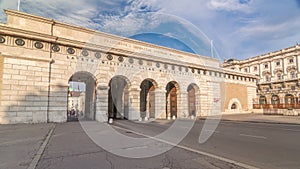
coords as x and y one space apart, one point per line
292 75
291 60
279 76
293 87
262 100
268 78
245 70
275 99
255 68
277 63
289 99
266 66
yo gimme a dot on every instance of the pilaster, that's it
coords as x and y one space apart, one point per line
134 103
102 103
160 103
182 111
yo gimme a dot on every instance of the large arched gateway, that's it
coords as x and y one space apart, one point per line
123 78
84 97
118 98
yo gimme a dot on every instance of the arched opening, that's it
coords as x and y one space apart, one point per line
275 99
147 99
192 99
233 106
171 99
289 99
262 100
118 98
81 97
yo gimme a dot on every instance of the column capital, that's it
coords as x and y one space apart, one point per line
133 89
102 87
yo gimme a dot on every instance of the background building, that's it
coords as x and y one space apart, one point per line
278 90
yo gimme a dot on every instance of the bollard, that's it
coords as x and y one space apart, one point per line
110 120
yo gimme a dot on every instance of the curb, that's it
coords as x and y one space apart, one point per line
41 150
253 121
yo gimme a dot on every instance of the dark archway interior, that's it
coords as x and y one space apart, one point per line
147 99
192 100
118 98
171 100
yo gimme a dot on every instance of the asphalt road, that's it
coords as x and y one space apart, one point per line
232 145
261 145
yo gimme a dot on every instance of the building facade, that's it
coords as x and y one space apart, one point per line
124 78
278 90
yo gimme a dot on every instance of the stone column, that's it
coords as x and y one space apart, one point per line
102 103
134 103
183 109
160 103
198 104
203 99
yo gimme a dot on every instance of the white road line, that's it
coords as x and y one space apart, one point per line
213 131
291 130
253 136
193 150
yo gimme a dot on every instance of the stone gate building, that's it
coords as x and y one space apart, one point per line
124 78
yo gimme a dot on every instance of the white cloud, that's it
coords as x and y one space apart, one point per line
229 5
7 4
236 26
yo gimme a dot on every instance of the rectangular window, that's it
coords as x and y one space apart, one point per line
255 68
277 63
266 66
293 75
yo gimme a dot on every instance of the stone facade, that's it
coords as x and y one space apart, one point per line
124 78
278 89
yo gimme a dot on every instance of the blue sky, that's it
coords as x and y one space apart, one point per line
239 28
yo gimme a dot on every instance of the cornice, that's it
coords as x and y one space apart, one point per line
28 16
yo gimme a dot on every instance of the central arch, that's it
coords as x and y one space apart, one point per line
172 89
147 99
81 96
118 98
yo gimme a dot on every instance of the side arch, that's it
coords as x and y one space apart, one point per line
235 105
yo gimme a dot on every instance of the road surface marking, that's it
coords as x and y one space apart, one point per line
291 130
253 136
193 150
213 131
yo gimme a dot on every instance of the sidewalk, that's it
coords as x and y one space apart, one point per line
260 118
19 144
